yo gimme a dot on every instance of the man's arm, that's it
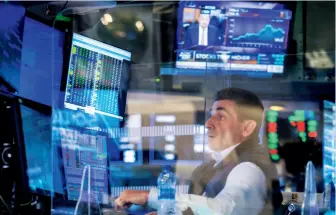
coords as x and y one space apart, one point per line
244 193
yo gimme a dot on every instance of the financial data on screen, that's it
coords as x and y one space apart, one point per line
97 72
231 36
85 164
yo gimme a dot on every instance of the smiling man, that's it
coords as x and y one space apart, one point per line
240 179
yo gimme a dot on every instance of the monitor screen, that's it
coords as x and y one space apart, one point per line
98 77
85 163
285 127
11 28
329 145
43 169
231 36
42 62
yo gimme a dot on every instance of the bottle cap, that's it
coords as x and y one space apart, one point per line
310 184
167 168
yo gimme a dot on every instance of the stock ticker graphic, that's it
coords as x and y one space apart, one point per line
245 32
93 80
97 71
253 28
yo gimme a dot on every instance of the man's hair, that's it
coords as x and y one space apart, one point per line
249 106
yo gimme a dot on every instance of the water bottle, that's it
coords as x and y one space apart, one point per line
310 205
329 196
166 192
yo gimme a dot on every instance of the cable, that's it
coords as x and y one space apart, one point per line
89 191
5 204
64 6
24 204
81 190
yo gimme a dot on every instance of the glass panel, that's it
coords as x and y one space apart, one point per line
138 92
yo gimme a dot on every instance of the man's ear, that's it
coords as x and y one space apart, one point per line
248 127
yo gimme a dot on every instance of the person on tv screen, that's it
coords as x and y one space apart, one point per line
241 178
201 34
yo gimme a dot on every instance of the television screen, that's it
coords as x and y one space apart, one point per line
98 76
11 28
42 62
231 36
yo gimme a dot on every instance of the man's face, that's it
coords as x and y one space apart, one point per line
224 128
204 20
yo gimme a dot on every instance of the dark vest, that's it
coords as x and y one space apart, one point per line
211 180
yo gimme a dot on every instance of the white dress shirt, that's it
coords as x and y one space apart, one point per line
243 194
205 39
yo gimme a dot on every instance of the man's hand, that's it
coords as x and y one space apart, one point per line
129 197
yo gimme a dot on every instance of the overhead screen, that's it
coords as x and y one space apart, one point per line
42 62
238 37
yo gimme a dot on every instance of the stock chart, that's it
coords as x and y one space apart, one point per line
257 33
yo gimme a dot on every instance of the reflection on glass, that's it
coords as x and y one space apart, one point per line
44 175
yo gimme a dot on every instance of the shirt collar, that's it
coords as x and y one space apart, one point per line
219 156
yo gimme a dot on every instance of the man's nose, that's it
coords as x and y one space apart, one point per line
209 123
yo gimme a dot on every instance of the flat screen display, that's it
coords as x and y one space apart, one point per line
231 36
97 79
11 29
42 62
43 170
85 163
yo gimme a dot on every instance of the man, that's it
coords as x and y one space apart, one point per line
201 34
241 179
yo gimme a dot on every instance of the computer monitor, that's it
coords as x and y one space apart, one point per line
42 62
97 79
329 144
43 165
11 29
299 126
85 162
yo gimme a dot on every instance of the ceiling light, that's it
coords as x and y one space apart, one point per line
139 26
103 21
108 18
165 118
277 107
